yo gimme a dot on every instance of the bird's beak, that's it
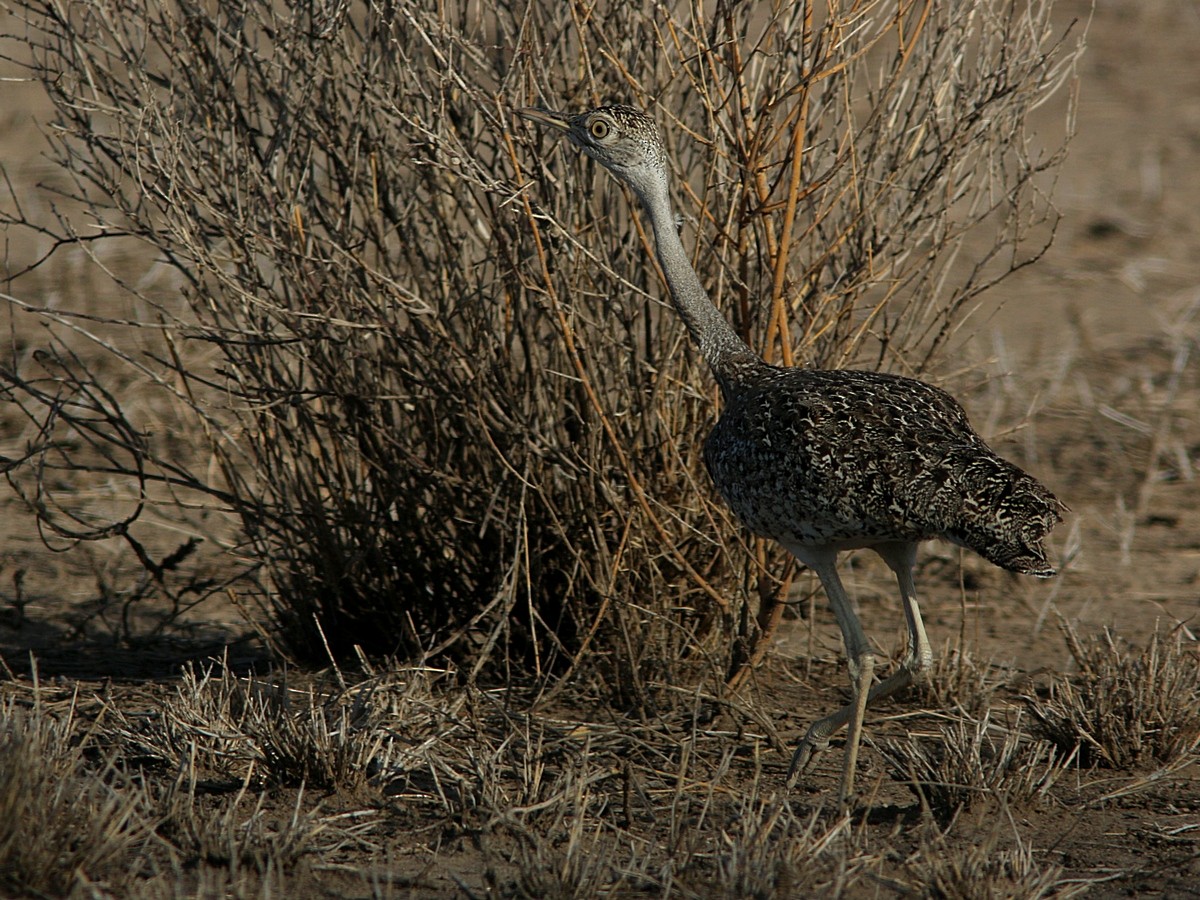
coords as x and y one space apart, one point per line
558 121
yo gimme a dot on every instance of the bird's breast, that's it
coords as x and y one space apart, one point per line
812 473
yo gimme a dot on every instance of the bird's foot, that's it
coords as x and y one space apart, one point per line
804 760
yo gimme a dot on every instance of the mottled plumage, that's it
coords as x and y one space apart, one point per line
846 458
829 460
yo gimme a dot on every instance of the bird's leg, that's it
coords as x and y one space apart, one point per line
901 557
862 671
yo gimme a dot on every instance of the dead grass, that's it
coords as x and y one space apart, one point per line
958 682
983 872
773 850
199 788
1125 707
271 732
66 825
241 837
974 761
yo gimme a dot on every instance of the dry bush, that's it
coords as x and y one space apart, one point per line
1125 706
66 826
426 352
967 764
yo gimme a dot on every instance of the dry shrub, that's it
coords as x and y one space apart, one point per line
426 352
65 826
1125 706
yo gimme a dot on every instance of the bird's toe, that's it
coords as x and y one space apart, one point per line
804 760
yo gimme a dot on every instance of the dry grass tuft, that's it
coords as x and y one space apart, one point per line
966 764
229 727
704 846
66 826
257 840
232 838
958 682
769 850
591 862
982 872
1125 707
217 725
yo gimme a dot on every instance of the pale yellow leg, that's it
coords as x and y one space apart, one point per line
900 557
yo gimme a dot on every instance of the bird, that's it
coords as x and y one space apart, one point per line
824 461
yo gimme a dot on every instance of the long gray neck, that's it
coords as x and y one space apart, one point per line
724 351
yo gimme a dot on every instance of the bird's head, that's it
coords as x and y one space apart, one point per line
622 139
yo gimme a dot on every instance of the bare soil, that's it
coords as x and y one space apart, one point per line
1099 343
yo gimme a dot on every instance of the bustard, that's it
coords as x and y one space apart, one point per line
829 460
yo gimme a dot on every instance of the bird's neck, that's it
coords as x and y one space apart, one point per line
725 352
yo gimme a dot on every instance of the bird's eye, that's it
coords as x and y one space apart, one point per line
599 129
